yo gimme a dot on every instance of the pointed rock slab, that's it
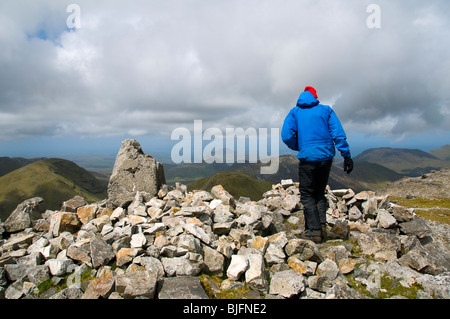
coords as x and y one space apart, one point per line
133 171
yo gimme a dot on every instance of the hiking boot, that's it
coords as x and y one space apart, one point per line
324 232
313 235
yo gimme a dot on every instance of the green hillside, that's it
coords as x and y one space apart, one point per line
235 183
189 173
55 180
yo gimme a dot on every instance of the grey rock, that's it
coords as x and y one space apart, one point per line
437 286
102 286
306 249
238 265
24 215
220 193
101 252
16 271
188 265
186 287
197 232
72 292
340 291
328 269
431 258
153 265
38 274
134 284
72 204
214 261
274 254
287 283
58 267
384 246
133 171
17 242
418 227
255 275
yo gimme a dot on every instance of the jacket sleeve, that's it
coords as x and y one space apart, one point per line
289 131
338 134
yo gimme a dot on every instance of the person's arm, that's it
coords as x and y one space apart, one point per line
340 141
338 134
289 131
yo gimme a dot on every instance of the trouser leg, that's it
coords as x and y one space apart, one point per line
322 175
307 180
313 178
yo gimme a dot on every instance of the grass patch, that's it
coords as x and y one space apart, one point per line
388 287
432 209
49 283
223 294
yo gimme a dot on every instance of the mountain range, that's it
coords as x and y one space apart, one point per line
57 180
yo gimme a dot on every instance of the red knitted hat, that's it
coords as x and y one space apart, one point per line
312 90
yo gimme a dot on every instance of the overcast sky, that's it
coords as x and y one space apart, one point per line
139 69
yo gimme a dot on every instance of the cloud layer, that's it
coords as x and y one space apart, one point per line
141 67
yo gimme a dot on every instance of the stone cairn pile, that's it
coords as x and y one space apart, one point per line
180 244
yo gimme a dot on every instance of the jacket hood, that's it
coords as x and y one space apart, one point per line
307 99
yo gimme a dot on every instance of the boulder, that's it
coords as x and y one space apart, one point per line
102 286
24 215
73 204
133 171
287 283
101 252
186 287
64 221
134 284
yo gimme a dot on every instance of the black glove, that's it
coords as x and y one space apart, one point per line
348 165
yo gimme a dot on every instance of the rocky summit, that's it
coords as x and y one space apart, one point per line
164 242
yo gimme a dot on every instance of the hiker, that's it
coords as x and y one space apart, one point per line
314 131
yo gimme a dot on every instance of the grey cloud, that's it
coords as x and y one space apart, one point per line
151 66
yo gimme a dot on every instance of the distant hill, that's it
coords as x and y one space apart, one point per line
55 180
9 164
442 153
235 183
364 176
410 162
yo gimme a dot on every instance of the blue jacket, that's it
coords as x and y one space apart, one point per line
314 131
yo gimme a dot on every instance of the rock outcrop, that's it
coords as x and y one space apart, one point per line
165 242
133 171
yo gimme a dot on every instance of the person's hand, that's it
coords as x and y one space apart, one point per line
348 165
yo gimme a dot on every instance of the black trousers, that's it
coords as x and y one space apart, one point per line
313 178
